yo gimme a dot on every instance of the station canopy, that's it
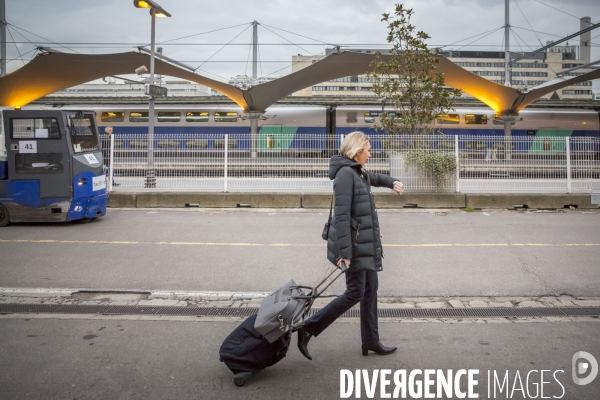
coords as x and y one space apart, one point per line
50 72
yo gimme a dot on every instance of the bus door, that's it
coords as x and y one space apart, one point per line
39 164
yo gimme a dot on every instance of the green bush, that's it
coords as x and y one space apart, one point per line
441 165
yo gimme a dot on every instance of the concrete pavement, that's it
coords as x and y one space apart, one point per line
124 359
230 258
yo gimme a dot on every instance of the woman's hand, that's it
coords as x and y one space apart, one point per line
398 186
347 261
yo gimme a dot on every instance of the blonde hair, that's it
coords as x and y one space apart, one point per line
354 144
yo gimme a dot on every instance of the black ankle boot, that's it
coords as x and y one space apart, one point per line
378 348
241 377
303 338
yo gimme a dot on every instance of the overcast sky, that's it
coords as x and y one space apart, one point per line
118 26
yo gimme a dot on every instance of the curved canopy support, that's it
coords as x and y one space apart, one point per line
338 65
50 72
555 84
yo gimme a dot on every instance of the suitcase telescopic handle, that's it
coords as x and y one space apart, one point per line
302 296
302 287
344 269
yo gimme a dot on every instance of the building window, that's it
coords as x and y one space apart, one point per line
567 66
577 92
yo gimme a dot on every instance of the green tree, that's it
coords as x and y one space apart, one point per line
408 79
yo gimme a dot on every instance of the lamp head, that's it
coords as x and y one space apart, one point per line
153 6
143 3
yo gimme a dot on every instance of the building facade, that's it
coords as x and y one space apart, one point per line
114 88
524 74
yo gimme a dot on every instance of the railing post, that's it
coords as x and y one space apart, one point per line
111 161
225 160
457 164
568 155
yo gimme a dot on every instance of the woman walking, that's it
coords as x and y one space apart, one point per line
354 239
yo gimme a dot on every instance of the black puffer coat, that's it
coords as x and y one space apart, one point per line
354 232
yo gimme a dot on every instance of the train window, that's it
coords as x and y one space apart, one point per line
169 116
138 143
168 144
113 116
369 119
222 116
450 119
476 145
38 128
196 143
476 119
220 144
196 116
138 116
351 118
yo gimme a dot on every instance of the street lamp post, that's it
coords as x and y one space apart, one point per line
155 11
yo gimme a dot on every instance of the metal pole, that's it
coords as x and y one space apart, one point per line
568 144
3 33
254 52
225 166
457 164
111 160
254 136
507 49
507 139
150 176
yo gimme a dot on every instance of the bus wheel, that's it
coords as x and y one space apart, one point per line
84 220
4 217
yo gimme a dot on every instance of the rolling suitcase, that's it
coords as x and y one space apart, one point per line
245 351
285 309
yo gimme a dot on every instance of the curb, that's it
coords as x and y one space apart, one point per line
323 200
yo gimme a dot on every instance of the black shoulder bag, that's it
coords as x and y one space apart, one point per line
325 233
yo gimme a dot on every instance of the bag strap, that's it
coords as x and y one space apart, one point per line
331 208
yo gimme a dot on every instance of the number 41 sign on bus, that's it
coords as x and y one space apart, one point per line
27 146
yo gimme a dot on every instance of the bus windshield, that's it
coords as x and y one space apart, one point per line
84 137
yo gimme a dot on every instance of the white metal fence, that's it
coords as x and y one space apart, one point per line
300 163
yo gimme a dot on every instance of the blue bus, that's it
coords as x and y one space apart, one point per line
51 167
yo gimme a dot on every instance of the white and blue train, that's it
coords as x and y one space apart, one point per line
299 126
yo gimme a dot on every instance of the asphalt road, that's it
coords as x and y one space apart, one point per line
426 253
120 359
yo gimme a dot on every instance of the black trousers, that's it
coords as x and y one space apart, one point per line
361 286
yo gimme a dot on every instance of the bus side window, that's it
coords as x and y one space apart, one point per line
34 128
39 163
